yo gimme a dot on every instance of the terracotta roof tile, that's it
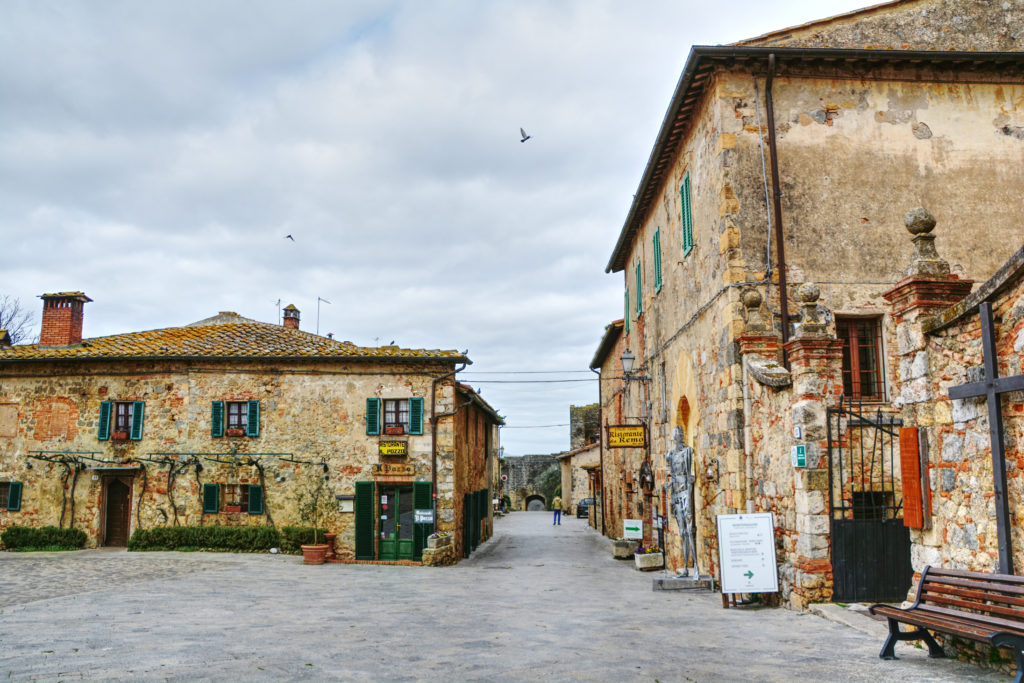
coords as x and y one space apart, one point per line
242 338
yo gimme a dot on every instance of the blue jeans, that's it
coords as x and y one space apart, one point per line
558 518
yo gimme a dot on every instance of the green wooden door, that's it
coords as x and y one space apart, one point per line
396 523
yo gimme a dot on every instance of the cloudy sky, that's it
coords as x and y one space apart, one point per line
154 155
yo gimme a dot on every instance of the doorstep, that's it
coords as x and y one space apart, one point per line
401 563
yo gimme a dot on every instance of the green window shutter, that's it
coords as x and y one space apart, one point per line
255 499
252 428
467 508
657 260
14 496
626 316
138 411
373 416
416 415
686 214
365 520
421 500
217 419
639 289
211 498
103 432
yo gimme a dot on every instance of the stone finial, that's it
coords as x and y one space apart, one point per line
752 299
925 261
811 323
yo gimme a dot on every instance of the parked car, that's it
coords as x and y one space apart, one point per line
583 507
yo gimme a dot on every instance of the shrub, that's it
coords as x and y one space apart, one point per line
42 538
242 538
292 537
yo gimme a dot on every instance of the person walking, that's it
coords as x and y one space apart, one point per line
556 505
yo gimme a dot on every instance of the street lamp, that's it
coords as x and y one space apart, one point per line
628 360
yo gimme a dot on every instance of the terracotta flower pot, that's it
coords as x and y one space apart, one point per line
314 554
329 539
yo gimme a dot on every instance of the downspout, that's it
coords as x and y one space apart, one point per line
777 205
600 441
433 435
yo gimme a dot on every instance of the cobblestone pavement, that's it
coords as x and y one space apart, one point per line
533 603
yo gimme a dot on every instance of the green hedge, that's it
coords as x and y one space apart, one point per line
294 536
42 538
244 538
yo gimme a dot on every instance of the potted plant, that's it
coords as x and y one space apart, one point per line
439 539
315 502
648 558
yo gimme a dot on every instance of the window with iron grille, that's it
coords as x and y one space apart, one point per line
862 357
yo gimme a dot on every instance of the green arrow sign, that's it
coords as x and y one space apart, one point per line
749 574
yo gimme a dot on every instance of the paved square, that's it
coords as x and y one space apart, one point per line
535 602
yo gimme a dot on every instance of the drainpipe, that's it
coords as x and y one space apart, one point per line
600 441
777 205
433 434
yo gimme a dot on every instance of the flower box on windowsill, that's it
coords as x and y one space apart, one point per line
235 432
119 436
392 431
232 508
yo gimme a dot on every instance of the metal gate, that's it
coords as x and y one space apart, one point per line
870 544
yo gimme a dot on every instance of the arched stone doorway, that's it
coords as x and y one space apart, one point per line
536 503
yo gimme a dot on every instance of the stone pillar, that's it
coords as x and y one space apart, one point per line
927 289
758 337
815 357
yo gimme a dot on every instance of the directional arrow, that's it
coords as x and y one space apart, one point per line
749 574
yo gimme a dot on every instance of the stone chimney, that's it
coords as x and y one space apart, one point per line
62 318
291 316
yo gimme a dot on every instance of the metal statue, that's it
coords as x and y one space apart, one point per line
680 464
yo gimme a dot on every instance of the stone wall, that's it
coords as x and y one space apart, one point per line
523 472
313 413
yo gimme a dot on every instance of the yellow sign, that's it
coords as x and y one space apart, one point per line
393 447
627 436
387 469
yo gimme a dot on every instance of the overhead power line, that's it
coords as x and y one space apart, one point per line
527 381
534 426
522 372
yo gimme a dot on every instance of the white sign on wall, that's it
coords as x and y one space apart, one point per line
632 528
746 553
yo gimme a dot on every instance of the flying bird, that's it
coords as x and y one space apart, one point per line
525 136
288 237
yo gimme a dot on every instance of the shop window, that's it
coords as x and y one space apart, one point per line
10 495
862 357
121 420
235 418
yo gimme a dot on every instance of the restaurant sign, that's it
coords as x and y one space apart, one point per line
393 447
388 469
626 436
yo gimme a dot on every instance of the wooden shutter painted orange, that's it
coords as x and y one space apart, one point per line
910 469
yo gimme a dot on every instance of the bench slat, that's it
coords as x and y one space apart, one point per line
976 605
997 623
963 573
933 584
956 627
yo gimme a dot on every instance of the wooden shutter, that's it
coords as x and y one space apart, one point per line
365 520
421 500
217 419
910 471
14 496
686 214
138 413
657 260
255 499
103 431
639 289
416 415
252 427
373 416
211 498
626 316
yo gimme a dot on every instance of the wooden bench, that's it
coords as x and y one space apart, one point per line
988 608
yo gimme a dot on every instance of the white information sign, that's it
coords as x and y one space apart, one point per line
423 516
746 553
633 528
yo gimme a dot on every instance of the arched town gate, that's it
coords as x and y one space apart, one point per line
535 503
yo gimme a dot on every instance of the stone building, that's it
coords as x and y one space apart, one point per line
576 480
230 421
786 160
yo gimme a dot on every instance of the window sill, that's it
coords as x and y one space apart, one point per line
119 436
232 508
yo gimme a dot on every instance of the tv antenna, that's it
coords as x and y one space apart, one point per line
318 300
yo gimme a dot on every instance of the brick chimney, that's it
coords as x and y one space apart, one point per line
291 316
62 318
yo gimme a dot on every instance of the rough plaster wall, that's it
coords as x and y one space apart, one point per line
310 412
993 25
